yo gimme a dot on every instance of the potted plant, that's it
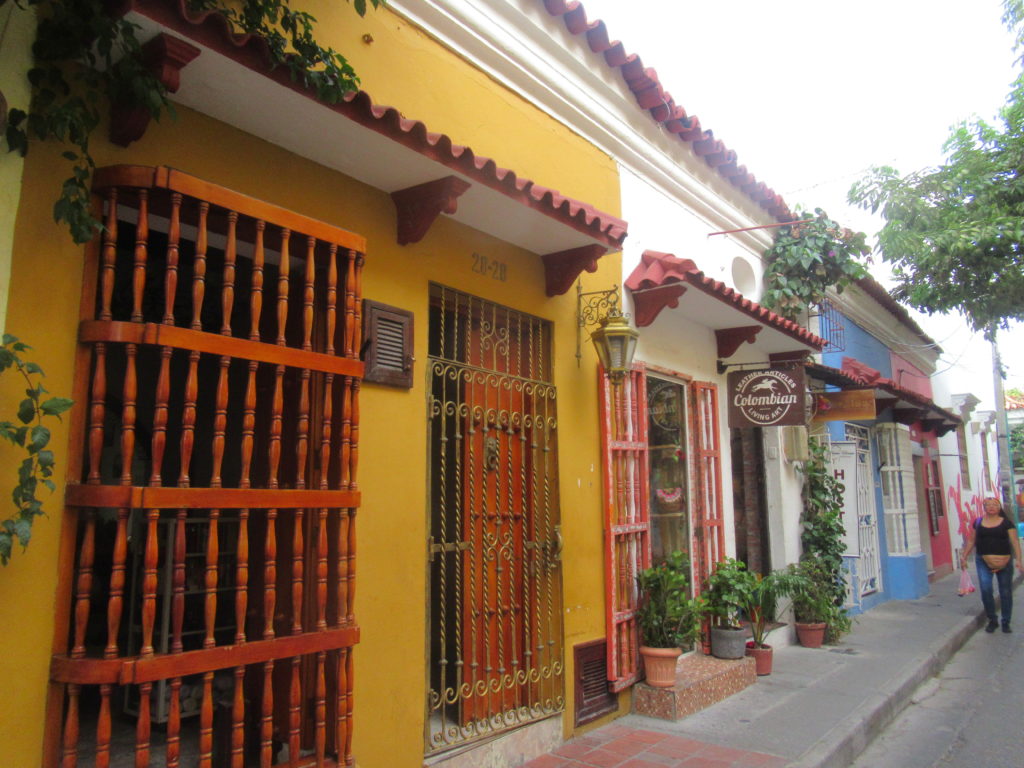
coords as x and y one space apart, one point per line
816 615
727 590
813 602
760 609
668 617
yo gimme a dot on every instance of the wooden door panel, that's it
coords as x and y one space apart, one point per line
495 603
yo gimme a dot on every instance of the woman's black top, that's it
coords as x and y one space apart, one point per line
994 541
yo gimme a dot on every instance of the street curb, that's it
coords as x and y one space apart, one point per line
844 743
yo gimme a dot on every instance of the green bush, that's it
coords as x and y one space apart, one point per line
668 616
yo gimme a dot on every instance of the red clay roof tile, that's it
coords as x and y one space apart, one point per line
214 31
656 268
650 95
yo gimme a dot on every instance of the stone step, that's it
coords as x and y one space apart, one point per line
700 682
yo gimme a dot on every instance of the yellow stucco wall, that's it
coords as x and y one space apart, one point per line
402 67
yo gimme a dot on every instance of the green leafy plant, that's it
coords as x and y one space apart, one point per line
814 600
806 259
764 598
728 590
86 56
668 616
1017 446
823 532
30 433
732 590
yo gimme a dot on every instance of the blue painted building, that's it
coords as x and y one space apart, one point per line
889 463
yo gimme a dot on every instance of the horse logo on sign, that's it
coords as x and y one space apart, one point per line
770 397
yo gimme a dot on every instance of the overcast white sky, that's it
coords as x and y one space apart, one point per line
812 93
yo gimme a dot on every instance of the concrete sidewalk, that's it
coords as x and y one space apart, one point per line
819 707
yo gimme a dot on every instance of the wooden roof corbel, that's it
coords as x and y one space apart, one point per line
730 339
563 267
419 206
165 56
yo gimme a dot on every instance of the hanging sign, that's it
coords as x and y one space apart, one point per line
769 397
847 405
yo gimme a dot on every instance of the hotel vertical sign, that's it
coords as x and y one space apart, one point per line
769 397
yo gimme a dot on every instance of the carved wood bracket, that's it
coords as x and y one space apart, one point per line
908 416
165 57
881 403
730 339
418 207
563 267
648 302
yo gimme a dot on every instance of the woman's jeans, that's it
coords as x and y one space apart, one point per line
1005 578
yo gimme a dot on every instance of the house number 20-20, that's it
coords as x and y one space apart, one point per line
491 267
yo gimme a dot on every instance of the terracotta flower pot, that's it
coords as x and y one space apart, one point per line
660 665
811 635
762 658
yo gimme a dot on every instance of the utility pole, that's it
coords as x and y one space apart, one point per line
1003 438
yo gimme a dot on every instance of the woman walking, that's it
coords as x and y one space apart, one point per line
995 540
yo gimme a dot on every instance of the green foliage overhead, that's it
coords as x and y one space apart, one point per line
955 233
1017 447
85 58
806 259
30 433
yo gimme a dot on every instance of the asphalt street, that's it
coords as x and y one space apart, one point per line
970 715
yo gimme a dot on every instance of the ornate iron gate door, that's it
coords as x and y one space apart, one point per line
495 539
869 567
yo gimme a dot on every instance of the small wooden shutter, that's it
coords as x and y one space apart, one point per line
627 518
389 341
593 698
709 531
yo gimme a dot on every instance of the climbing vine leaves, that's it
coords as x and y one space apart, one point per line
29 431
807 258
85 57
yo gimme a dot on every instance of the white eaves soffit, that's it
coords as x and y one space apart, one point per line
707 311
221 88
523 47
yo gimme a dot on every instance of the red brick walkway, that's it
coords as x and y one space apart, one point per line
616 746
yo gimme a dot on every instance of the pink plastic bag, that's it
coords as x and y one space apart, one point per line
966 583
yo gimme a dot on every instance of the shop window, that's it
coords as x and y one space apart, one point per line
669 453
898 492
933 491
961 447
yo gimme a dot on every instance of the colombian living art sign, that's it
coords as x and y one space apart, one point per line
769 397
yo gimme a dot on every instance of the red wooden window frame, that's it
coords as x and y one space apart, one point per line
709 524
626 514
933 491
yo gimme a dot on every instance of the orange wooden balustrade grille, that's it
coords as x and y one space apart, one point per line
627 517
709 532
209 550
